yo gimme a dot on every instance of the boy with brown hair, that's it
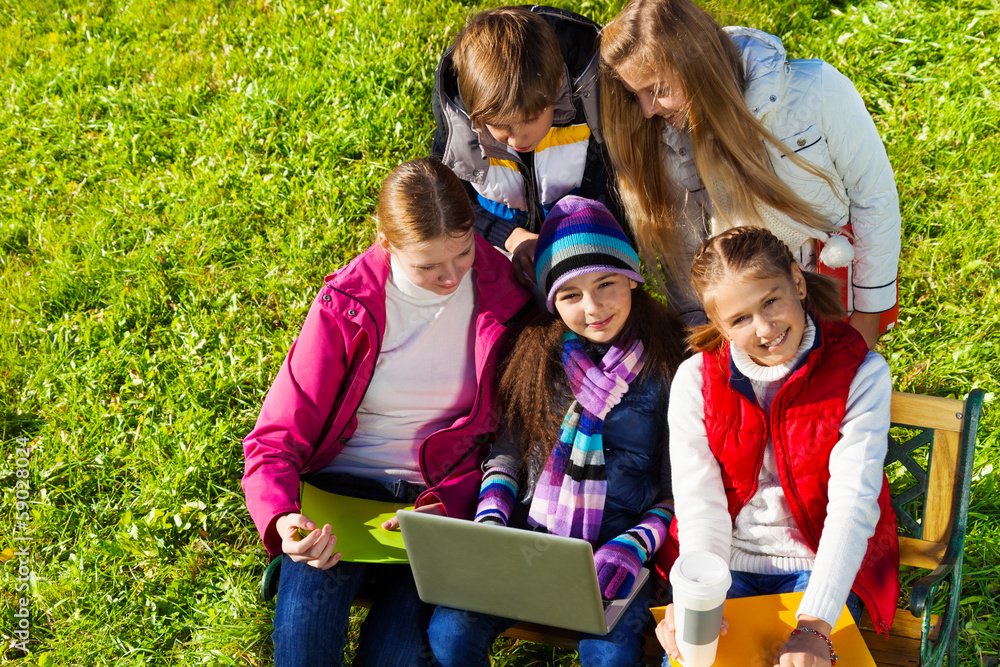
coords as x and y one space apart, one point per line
518 120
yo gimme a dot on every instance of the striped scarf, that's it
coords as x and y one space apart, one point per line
569 496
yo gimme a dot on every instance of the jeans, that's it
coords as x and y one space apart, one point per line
312 608
746 584
464 638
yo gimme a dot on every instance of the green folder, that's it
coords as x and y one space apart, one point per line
357 523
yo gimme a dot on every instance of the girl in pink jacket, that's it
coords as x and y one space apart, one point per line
386 394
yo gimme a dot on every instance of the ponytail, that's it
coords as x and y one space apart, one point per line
753 253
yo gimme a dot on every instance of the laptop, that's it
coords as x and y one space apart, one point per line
517 574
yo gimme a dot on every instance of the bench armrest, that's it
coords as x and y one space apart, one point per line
950 568
924 589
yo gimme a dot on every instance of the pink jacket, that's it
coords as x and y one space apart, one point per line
309 412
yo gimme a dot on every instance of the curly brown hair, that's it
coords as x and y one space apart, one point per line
534 391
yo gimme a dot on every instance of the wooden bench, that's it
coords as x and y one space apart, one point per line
931 452
929 465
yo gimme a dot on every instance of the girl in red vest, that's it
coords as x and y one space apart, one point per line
778 432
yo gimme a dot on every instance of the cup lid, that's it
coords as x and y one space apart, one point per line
700 569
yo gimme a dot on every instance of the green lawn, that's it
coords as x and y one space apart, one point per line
177 176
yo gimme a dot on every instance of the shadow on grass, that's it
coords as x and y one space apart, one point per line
14 426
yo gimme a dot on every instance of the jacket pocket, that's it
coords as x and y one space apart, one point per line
807 141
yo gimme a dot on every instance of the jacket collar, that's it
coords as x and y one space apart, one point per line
764 59
496 289
678 139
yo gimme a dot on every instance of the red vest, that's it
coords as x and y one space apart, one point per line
804 427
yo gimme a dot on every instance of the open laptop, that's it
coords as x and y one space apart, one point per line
518 574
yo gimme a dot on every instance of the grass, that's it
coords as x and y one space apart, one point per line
177 177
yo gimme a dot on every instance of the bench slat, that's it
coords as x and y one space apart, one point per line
920 553
902 648
905 625
544 634
560 638
926 411
896 652
941 482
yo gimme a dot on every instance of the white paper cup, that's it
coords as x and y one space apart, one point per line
700 581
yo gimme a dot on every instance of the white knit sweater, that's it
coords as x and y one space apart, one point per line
764 538
424 379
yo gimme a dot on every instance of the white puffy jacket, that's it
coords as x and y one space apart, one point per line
816 111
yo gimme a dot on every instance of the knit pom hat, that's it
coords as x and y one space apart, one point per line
581 236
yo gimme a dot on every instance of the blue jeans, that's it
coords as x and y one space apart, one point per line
313 605
746 584
464 638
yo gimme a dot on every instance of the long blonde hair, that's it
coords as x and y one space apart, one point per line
730 144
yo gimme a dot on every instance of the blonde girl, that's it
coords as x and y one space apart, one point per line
709 122
778 431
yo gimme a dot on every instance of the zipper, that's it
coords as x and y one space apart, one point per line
328 424
792 492
526 165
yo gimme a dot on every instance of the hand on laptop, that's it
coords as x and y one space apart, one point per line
617 563
432 508
665 632
316 548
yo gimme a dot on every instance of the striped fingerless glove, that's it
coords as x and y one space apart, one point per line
496 496
618 561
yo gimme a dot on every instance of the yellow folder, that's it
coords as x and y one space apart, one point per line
758 626
357 523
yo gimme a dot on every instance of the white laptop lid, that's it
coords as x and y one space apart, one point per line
518 574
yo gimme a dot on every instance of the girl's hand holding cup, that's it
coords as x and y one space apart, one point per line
666 628
692 625
665 633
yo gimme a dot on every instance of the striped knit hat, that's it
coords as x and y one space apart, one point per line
580 236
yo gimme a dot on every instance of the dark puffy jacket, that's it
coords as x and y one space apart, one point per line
635 455
544 180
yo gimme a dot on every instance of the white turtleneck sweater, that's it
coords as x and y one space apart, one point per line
424 379
764 539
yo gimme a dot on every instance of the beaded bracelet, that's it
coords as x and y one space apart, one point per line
833 654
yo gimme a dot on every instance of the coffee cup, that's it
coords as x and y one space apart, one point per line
700 581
